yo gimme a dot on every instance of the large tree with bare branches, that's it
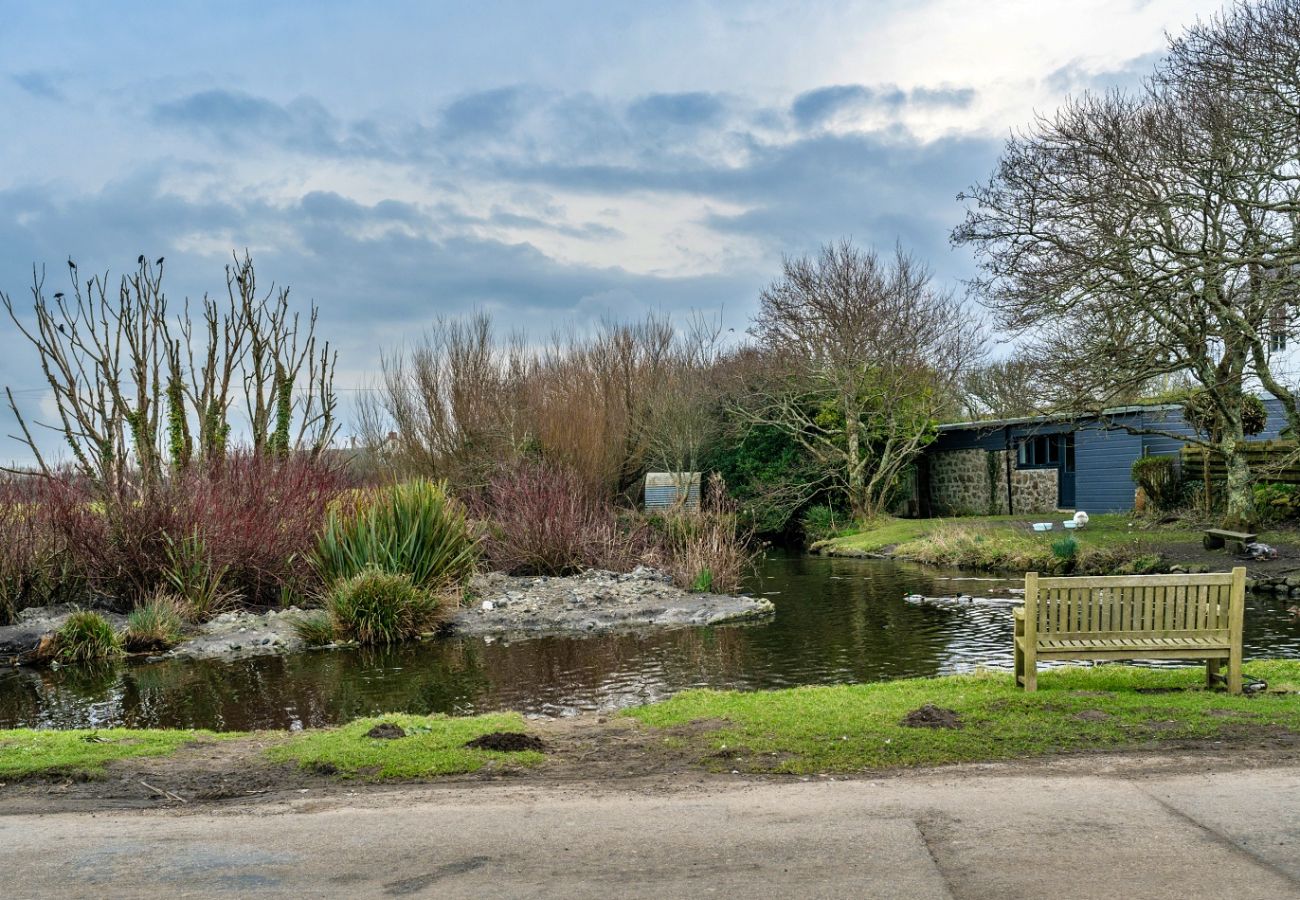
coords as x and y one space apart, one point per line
1150 237
865 353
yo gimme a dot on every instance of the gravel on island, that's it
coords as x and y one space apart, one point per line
500 605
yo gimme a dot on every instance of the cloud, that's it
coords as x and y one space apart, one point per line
1078 76
689 109
39 85
237 118
491 112
822 105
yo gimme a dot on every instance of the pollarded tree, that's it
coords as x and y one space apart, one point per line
139 387
865 353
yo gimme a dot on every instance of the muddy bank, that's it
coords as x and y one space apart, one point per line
592 602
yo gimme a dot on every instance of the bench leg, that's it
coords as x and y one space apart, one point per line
1211 673
1031 672
1020 665
1234 672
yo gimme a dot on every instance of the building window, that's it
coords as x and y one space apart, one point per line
1277 329
1045 451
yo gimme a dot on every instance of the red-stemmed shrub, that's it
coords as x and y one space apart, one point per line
34 567
541 519
242 531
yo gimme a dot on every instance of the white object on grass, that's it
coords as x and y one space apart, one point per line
1080 519
1042 526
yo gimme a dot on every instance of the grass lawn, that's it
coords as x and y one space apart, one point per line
434 745
1111 543
82 753
856 727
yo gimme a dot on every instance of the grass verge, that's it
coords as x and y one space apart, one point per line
434 745
1111 543
83 753
851 728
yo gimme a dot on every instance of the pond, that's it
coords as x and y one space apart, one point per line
836 621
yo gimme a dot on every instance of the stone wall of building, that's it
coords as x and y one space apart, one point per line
974 482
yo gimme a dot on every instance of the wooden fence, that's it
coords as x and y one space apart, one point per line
1269 461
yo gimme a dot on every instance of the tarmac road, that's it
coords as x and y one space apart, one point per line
936 835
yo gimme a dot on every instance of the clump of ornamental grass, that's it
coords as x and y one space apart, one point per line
85 637
156 624
413 529
316 628
707 550
378 607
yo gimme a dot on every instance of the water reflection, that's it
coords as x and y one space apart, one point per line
837 620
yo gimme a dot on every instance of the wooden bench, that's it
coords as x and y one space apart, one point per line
1132 617
1217 537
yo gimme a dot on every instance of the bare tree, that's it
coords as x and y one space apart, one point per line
1107 247
1005 389
869 353
133 385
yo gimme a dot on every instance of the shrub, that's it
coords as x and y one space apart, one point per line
86 637
542 519
377 607
1276 502
315 628
252 519
34 567
1158 479
412 529
707 550
156 624
820 523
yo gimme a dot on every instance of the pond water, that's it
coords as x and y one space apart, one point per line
836 621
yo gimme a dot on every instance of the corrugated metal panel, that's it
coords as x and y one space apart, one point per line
663 490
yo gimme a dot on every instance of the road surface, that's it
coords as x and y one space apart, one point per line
937 835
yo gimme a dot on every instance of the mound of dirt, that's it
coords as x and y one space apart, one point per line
386 731
931 716
507 742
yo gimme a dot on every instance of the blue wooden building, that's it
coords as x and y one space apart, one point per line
1047 463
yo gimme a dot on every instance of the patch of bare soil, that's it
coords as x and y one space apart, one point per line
386 731
507 742
931 716
589 754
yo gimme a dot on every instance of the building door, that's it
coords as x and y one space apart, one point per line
1065 473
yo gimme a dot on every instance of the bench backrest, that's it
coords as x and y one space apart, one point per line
1148 606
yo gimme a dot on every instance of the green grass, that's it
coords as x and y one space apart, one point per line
1110 543
82 753
858 727
434 745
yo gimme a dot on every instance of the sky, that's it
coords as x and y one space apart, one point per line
551 162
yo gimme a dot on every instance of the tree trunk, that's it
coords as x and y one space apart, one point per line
1240 499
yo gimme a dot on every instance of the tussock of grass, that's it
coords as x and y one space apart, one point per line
855 727
86 636
82 753
434 745
157 624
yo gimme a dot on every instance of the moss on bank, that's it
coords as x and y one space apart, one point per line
850 728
